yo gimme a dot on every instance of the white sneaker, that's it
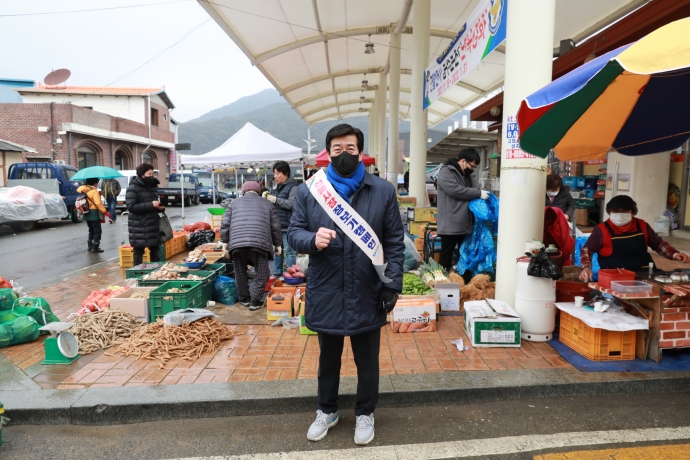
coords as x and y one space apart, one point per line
364 429
319 429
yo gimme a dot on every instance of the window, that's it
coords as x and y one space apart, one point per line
165 117
68 173
39 171
118 161
154 117
86 157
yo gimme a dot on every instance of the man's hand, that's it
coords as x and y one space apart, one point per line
485 195
567 217
388 300
586 275
278 251
323 238
681 256
270 198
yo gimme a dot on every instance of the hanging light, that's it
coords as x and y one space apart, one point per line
365 82
369 47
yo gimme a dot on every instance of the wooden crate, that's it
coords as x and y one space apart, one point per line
596 344
582 217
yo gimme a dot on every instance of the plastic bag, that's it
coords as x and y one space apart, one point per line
579 243
20 330
7 298
200 237
35 307
477 252
224 290
412 257
5 283
100 300
28 204
186 316
541 266
303 263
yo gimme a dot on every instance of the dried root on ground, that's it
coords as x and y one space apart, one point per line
103 329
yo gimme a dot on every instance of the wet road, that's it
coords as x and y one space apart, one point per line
59 247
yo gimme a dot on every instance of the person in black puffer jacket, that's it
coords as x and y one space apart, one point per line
251 227
143 206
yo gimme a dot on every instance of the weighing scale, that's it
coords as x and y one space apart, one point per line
62 346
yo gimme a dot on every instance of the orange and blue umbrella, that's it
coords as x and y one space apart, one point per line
635 100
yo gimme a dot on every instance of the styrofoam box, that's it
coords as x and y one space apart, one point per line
449 294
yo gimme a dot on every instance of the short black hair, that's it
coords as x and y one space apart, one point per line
623 203
470 155
142 168
344 130
553 181
91 181
282 167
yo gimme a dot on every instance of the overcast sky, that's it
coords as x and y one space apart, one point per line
203 72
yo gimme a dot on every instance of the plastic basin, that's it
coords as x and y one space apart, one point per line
216 211
566 291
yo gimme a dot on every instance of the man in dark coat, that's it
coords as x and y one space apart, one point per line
345 296
456 188
283 197
251 228
557 196
142 203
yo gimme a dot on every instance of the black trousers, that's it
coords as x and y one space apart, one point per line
95 230
448 243
240 259
366 350
153 254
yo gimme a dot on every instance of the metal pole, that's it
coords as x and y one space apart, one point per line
393 111
529 63
181 177
236 194
383 96
421 12
213 184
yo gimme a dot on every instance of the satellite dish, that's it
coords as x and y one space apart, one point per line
56 77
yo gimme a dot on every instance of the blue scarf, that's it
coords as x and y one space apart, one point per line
345 186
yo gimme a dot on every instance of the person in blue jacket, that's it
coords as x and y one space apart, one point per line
345 296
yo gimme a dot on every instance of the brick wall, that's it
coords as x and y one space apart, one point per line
675 328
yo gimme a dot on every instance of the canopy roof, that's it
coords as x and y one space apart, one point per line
248 145
322 159
312 51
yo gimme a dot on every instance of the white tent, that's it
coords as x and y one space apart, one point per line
248 145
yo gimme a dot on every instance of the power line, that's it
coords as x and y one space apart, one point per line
93 9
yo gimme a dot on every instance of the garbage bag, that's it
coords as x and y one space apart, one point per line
7 298
224 290
200 237
20 330
541 266
186 316
477 252
579 243
412 257
35 307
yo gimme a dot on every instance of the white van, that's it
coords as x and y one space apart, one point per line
128 174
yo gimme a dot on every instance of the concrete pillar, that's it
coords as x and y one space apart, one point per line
393 111
370 136
421 12
374 116
381 123
529 60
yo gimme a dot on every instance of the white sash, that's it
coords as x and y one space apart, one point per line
351 223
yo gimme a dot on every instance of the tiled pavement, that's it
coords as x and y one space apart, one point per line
263 352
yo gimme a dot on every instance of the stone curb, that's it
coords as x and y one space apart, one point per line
123 405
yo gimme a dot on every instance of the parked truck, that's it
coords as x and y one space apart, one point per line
49 178
172 194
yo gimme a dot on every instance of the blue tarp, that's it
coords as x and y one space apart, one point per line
478 253
579 243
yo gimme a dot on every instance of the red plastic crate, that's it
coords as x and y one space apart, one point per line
607 275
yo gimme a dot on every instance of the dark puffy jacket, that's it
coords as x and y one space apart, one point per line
143 220
455 192
342 284
251 222
563 201
285 198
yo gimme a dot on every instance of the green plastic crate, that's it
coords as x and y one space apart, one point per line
136 272
218 269
584 203
155 283
162 302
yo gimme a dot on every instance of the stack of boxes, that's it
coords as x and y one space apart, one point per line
176 245
417 220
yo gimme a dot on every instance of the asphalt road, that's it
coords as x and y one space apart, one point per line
59 247
407 428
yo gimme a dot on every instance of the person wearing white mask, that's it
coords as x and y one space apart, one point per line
558 197
622 241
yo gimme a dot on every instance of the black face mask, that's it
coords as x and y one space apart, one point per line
345 164
151 181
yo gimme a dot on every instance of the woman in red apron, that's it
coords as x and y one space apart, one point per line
622 241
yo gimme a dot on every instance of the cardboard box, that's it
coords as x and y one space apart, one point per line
421 214
449 294
211 257
419 243
582 217
275 308
302 304
417 228
413 310
408 201
491 323
136 307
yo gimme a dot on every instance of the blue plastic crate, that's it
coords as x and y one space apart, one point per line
571 181
580 182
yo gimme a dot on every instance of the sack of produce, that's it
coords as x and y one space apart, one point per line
6 316
224 290
7 298
20 330
200 237
412 257
100 300
35 307
5 284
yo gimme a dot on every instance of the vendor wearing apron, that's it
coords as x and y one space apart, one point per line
622 241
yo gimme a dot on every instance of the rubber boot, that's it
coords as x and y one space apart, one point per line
90 245
94 246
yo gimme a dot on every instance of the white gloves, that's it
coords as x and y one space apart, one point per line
278 251
485 195
271 198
